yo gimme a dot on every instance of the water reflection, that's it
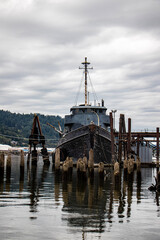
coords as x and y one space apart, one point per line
87 205
1 179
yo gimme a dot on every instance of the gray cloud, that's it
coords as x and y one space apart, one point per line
44 42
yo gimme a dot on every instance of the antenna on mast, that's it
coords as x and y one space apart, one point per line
85 63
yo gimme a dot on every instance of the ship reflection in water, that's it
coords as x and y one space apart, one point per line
38 203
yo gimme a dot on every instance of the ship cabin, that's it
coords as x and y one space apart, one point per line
86 114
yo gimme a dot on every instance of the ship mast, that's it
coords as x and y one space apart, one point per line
85 63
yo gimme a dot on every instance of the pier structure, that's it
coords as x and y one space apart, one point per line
129 143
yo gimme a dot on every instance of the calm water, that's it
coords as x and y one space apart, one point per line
38 204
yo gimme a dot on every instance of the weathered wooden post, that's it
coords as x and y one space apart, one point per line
138 145
22 159
8 164
28 158
85 160
78 163
65 168
8 172
116 169
81 166
101 169
91 161
81 169
124 144
57 159
138 163
130 165
120 140
2 160
157 148
1 171
125 164
112 138
129 135
70 160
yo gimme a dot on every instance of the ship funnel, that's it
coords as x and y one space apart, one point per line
102 103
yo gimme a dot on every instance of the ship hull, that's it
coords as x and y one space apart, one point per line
77 144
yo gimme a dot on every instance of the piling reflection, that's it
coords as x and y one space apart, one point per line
87 202
8 178
1 180
33 189
139 182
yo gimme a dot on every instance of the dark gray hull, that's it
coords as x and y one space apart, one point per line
77 143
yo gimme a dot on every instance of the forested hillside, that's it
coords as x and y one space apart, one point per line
16 128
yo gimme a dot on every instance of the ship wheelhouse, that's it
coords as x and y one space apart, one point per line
84 115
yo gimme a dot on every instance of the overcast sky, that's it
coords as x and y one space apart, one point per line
42 44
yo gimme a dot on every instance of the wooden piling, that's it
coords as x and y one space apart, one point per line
112 138
157 148
120 140
28 158
91 159
2 160
129 136
125 163
85 160
138 145
116 169
138 163
57 159
78 163
130 165
81 166
8 164
22 159
124 144
101 167
65 166
70 160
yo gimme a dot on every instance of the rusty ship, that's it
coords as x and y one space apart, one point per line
87 127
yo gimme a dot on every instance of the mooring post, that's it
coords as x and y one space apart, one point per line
129 135
8 164
120 140
138 145
28 156
116 169
138 164
57 159
65 166
2 160
22 159
112 138
157 148
124 144
130 165
101 169
91 159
